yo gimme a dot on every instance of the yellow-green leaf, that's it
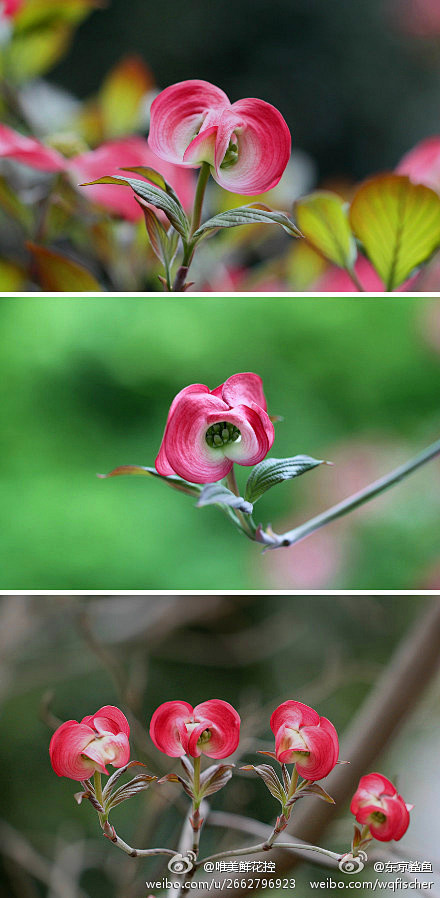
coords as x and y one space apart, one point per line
35 12
35 52
322 218
59 274
398 223
121 96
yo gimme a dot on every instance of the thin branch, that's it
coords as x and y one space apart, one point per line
291 537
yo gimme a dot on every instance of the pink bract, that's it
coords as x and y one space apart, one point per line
377 804
10 8
247 143
304 738
29 151
128 152
238 404
211 728
105 160
77 750
422 163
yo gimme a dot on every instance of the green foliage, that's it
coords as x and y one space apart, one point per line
86 385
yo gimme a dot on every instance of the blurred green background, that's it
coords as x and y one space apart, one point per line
357 81
86 385
64 657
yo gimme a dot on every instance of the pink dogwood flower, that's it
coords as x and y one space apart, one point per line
247 143
304 738
211 728
77 750
422 163
377 804
129 152
10 8
105 160
207 431
29 151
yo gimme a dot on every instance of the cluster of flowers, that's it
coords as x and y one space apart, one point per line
212 728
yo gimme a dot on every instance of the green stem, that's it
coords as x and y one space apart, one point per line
197 799
293 783
265 846
199 197
188 255
247 526
342 508
98 793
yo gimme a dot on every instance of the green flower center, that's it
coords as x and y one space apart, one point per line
378 817
221 434
231 155
204 737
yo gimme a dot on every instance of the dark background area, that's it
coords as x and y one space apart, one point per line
356 87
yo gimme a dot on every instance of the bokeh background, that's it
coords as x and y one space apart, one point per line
358 82
64 657
86 385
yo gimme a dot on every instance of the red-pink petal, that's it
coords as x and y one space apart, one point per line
10 8
293 714
164 727
29 151
128 152
322 743
202 148
422 163
110 749
178 114
66 750
111 719
242 389
225 727
189 739
257 434
184 448
264 146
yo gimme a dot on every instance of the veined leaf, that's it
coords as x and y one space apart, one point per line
398 223
269 777
157 197
324 221
274 470
193 489
155 177
247 215
216 494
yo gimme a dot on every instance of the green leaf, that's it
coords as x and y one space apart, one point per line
215 778
269 777
157 197
323 220
156 232
152 175
35 52
315 789
59 274
274 470
192 489
247 215
398 223
175 778
216 494
122 94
